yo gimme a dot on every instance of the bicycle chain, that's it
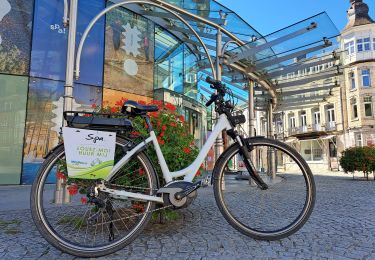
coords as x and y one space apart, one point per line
136 215
132 216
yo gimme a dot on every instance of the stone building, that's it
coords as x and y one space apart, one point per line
330 106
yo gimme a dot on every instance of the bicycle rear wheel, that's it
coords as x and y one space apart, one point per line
269 214
70 221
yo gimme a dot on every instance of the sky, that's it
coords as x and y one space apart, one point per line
268 16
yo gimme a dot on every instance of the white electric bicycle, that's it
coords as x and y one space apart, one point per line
105 215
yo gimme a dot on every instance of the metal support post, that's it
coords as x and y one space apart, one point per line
61 193
68 94
251 107
271 152
219 140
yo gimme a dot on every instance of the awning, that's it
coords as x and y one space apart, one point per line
291 140
327 137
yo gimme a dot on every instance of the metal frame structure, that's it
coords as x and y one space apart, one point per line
243 62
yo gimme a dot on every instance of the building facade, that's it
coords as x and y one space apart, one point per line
337 112
127 55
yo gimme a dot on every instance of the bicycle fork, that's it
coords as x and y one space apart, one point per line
245 154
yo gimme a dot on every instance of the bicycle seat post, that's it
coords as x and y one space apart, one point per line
148 122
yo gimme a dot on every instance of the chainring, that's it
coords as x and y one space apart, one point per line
169 198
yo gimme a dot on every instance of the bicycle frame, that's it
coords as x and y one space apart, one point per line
188 173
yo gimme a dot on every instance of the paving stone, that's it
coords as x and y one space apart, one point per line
341 227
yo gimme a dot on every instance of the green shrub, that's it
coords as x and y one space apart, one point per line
361 159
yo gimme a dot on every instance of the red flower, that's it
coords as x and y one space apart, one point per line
141 102
141 171
173 124
186 150
114 109
135 134
84 200
161 134
60 176
198 173
170 107
160 140
181 118
164 127
93 105
73 189
158 103
145 125
138 207
153 114
158 123
119 103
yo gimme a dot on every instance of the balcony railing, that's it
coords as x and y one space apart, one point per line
331 126
303 129
293 131
316 127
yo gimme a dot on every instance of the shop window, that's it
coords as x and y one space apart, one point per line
129 53
332 148
366 79
311 150
44 118
354 105
367 101
48 57
12 126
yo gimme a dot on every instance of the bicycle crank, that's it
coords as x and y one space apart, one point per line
180 194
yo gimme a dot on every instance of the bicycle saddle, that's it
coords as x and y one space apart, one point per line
134 108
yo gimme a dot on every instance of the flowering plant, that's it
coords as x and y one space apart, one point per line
172 132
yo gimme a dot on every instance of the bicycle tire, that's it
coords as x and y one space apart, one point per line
242 220
57 240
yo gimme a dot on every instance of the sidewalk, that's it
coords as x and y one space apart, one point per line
15 197
342 226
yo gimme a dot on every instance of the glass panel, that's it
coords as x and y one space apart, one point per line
191 74
368 109
317 151
15 36
129 50
169 62
366 78
13 95
306 150
313 38
214 11
44 118
50 41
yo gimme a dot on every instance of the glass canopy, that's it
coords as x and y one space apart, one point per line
298 54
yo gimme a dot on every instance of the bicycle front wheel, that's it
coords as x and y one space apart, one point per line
269 214
70 220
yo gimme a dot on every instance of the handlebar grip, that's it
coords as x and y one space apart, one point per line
209 80
212 100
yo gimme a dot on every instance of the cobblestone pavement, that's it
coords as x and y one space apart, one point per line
342 226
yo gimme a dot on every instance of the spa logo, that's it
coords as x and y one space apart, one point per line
94 138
